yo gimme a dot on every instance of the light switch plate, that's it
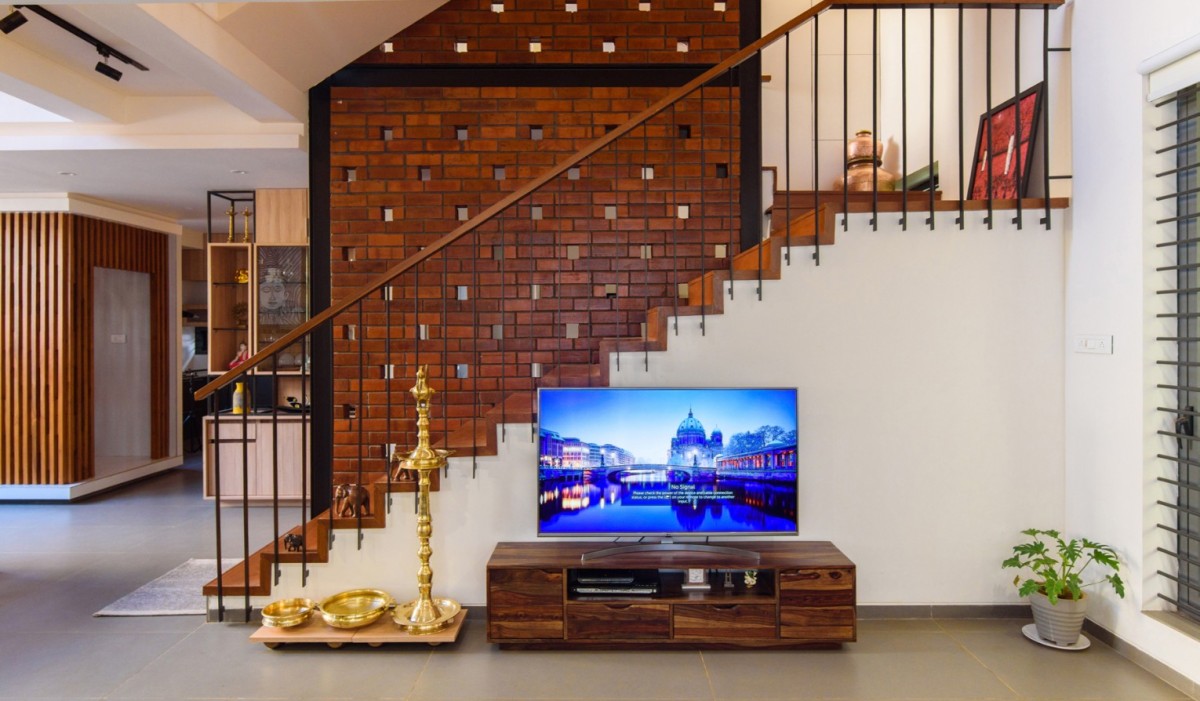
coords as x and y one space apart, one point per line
1102 345
117 338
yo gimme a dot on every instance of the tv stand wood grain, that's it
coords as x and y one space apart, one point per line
804 596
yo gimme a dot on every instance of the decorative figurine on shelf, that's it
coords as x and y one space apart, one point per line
294 542
242 356
241 276
402 473
352 500
750 578
231 213
241 315
241 398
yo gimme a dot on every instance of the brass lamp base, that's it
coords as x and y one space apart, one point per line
435 615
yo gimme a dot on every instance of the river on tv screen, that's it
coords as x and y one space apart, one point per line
667 461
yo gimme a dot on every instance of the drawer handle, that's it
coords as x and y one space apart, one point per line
725 607
618 607
808 575
835 575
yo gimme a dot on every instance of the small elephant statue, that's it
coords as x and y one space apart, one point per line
403 474
293 542
352 500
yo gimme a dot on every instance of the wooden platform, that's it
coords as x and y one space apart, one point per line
382 631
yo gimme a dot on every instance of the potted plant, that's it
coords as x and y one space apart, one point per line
1055 590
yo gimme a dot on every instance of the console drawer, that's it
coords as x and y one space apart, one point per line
710 621
817 587
618 621
833 623
525 622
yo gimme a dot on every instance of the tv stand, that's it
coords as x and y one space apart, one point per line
761 594
750 556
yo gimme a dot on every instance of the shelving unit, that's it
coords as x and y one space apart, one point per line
258 290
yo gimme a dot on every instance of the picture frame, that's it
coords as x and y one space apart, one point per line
1011 162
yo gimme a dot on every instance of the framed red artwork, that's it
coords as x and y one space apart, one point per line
1010 150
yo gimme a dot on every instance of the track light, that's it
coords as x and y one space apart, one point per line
104 69
9 23
12 21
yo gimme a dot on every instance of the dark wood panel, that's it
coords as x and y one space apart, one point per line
524 630
525 587
833 597
46 373
714 621
618 622
816 579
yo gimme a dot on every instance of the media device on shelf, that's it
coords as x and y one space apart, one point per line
620 461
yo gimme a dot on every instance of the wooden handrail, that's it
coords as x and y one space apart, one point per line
733 61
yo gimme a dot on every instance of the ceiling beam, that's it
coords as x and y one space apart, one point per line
189 42
31 77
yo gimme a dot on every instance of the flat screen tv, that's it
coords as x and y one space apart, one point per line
667 462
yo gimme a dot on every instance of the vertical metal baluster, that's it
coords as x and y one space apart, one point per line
962 183
759 246
787 151
932 220
645 257
612 228
875 116
503 333
360 417
675 220
591 289
988 110
1046 114
389 374
304 476
530 337
703 223
845 117
275 461
1019 220
816 98
732 208
904 117
214 409
246 499
445 364
476 238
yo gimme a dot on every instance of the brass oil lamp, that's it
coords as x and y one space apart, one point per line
426 614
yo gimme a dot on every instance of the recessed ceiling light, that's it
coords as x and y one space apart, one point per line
240 172
67 173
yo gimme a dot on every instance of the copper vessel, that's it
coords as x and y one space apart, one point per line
864 155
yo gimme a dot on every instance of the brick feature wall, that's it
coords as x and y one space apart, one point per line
563 37
539 287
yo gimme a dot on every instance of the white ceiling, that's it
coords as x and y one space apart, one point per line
226 91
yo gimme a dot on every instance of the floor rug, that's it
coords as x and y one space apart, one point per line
176 593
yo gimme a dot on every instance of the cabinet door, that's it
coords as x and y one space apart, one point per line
817 604
279 442
229 455
525 604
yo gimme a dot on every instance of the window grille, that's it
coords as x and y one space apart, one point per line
1178 229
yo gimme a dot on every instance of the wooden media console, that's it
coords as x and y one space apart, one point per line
545 594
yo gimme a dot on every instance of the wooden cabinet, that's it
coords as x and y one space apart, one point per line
265 442
799 594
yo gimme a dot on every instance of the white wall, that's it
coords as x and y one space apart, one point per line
1111 420
930 372
831 143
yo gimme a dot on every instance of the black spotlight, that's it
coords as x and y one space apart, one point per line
12 21
107 71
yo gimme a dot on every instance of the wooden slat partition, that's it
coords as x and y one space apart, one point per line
46 373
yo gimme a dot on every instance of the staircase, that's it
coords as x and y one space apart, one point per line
502 410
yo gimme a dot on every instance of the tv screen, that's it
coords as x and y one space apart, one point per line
633 461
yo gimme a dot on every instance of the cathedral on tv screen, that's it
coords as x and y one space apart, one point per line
692 447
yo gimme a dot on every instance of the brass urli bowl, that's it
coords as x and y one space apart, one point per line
355 608
286 613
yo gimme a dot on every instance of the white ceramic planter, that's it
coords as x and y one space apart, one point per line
1059 623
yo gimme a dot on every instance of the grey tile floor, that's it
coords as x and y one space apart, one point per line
59 564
